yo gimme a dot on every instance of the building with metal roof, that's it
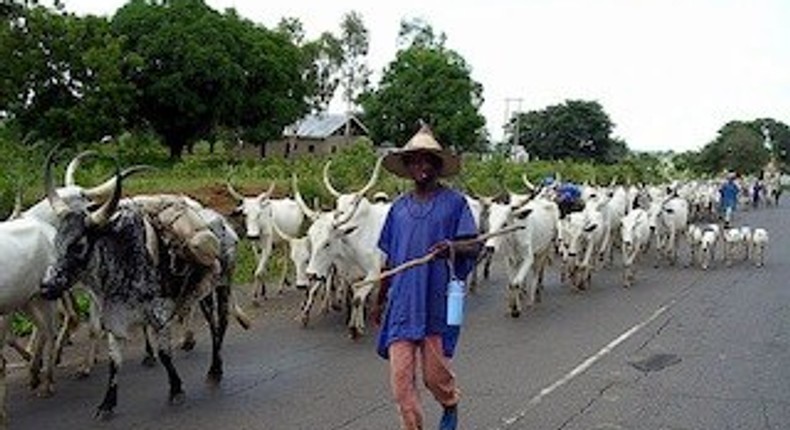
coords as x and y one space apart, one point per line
322 133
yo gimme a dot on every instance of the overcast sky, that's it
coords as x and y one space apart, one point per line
669 73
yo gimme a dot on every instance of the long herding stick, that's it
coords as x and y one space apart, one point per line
431 255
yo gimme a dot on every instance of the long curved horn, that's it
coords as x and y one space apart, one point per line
232 191
74 164
102 215
350 214
332 190
266 194
529 184
103 190
313 215
17 211
373 178
58 205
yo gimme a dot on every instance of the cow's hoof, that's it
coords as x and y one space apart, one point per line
515 313
354 333
82 374
46 390
188 344
177 398
214 377
304 320
149 361
103 414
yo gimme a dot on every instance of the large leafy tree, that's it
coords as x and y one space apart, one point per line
739 146
576 129
62 76
200 70
426 82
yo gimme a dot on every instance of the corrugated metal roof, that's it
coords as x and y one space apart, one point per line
320 126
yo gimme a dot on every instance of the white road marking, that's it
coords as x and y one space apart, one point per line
586 364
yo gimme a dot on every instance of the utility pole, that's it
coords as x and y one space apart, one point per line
517 111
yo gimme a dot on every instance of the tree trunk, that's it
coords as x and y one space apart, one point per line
176 146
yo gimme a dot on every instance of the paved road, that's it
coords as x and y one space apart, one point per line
682 349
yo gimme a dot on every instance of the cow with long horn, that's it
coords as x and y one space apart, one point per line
260 214
348 245
109 250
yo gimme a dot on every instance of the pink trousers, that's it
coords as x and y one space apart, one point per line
405 356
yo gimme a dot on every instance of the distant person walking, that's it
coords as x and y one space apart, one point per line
728 193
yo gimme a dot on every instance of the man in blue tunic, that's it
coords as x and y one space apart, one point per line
414 332
728 198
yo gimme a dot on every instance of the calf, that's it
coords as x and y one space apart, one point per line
733 243
635 237
707 247
581 237
759 244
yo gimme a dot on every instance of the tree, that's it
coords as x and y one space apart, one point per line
355 75
778 136
326 57
577 129
201 70
739 146
430 83
62 78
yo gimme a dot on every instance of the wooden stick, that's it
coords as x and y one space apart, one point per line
431 255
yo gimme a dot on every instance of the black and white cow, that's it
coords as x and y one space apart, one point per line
109 250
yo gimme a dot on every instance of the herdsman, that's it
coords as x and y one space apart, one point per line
414 328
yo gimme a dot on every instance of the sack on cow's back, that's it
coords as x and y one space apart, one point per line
182 227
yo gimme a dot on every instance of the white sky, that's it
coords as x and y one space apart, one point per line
669 73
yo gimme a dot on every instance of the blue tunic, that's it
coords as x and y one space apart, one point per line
729 195
417 302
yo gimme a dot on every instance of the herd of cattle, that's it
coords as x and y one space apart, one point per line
150 261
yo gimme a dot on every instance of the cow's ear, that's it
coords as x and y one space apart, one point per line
590 227
523 214
236 211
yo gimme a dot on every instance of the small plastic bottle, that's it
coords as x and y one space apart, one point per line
455 302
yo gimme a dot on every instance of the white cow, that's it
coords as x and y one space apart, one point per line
668 222
349 244
734 243
260 213
581 237
635 237
707 248
759 244
525 251
26 250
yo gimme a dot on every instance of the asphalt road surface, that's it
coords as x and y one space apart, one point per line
682 349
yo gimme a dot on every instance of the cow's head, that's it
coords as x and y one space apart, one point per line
256 210
77 232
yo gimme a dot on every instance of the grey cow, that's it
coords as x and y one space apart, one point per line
108 250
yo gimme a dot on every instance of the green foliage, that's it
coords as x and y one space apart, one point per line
200 69
429 84
577 129
738 147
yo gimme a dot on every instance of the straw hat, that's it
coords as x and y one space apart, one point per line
422 141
